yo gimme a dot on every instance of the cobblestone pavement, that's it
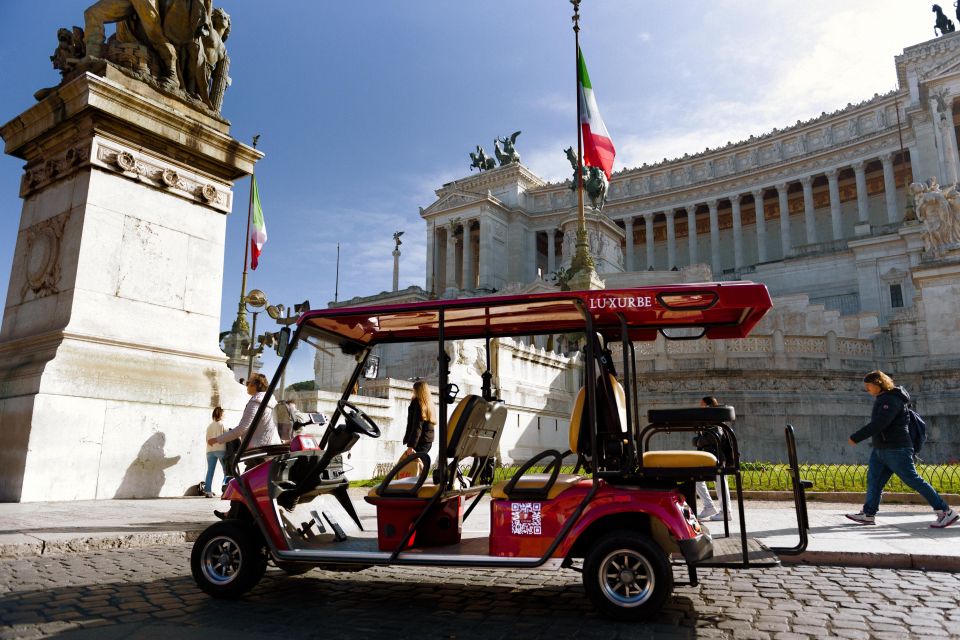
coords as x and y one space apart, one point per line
148 593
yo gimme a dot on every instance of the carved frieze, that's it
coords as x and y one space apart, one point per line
43 242
54 168
162 174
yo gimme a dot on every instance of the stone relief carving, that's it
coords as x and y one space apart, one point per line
43 241
161 175
53 168
177 46
939 211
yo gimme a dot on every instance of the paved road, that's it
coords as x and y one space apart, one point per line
148 593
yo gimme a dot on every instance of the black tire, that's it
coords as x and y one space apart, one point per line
228 559
621 562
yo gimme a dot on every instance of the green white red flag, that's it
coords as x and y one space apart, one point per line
258 228
598 148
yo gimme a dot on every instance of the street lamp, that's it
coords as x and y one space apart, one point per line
257 300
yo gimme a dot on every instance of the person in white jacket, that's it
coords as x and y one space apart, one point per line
265 432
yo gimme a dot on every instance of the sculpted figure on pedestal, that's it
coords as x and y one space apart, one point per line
509 154
176 45
595 182
939 210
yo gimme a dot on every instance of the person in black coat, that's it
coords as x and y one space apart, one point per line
420 422
892 451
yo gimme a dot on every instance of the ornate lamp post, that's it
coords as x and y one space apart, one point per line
253 301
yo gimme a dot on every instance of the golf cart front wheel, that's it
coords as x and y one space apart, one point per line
627 576
228 559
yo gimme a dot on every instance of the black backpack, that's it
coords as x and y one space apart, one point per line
917 428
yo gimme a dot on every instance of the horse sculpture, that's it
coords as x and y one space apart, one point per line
944 24
480 161
594 181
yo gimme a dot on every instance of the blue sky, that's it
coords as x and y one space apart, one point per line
366 107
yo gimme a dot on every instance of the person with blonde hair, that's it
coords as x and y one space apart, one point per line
892 451
421 419
265 432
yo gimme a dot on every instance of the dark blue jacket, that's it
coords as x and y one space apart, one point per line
888 421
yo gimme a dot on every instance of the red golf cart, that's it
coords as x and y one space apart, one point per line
623 517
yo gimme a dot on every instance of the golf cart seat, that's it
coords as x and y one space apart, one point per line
550 484
473 431
700 464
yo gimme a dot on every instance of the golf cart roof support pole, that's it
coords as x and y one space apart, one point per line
590 372
487 376
628 377
443 379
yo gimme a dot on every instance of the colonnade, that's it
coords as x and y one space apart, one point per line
669 217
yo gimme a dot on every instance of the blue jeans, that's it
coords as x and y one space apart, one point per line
212 457
886 462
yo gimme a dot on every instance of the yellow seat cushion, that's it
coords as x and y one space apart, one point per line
678 459
534 481
428 490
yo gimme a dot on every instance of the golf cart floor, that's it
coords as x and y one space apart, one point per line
728 552
472 543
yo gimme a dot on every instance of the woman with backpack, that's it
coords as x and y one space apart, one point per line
893 451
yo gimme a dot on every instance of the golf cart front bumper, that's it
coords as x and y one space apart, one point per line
696 549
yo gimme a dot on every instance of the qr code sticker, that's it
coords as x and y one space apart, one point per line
525 519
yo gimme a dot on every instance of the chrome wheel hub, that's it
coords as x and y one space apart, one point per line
627 578
221 560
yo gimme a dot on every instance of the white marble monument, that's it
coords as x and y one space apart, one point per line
109 358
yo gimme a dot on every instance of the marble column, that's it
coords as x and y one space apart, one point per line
648 227
809 218
836 222
714 237
485 262
431 255
890 187
737 232
451 282
863 206
671 240
784 219
469 280
761 223
551 250
692 233
628 244
532 255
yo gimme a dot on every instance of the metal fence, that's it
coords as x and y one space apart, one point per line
775 476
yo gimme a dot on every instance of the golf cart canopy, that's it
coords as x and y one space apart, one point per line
727 310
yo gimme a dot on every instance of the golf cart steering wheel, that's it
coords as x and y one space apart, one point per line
358 420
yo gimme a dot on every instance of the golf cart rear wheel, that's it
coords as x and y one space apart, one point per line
627 576
228 559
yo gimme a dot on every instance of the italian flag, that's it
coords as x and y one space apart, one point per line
258 229
598 148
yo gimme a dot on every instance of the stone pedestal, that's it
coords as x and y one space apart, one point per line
109 358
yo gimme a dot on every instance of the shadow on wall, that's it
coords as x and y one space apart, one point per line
145 477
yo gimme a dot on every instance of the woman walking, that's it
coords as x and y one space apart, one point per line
215 452
420 421
892 451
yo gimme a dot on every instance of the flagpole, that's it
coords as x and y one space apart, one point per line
241 326
582 260
336 282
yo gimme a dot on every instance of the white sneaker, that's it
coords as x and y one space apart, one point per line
946 518
707 513
718 517
862 518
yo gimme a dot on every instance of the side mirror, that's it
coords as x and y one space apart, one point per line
283 341
372 367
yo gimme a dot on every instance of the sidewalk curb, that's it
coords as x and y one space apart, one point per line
98 543
867 560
